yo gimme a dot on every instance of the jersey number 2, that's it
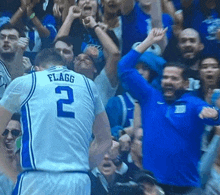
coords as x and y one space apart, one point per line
60 102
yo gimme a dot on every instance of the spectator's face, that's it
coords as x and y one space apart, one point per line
84 65
111 6
209 71
145 5
136 146
9 136
8 41
173 82
65 51
189 44
88 7
107 167
143 70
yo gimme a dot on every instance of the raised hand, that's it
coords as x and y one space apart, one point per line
208 112
26 63
89 22
57 10
25 3
23 43
74 12
156 34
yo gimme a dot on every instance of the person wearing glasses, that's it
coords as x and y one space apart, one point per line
8 138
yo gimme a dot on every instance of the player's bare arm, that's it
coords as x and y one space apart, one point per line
102 141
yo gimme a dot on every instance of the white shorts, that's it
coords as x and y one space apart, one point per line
52 183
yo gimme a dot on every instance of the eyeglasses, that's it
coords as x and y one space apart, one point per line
14 132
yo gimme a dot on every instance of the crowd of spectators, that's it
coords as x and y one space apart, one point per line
93 36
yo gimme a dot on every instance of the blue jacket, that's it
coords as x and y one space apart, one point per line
172 132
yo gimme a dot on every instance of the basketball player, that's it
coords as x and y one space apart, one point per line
60 111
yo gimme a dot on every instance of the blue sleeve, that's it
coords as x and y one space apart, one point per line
114 111
131 80
50 23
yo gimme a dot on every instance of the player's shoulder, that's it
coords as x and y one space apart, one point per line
22 79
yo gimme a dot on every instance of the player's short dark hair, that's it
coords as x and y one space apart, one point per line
185 73
145 176
16 117
129 188
48 56
9 26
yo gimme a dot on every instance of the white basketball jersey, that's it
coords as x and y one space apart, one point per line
58 108
5 78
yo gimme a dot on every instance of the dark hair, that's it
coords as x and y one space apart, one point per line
48 56
9 26
16 117
129 188
185 73
206 11
66 39
206 57
145 176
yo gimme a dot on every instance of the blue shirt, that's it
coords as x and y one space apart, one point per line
172 132
120 110
136 26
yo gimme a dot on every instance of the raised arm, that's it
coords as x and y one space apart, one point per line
102 141
74 13
154 36
156 20
112 51
131 80
16 67
42 30
20 12
168 7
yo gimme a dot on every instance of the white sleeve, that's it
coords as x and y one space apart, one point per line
11 97
99 107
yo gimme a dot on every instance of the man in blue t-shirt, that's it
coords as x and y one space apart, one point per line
172 121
